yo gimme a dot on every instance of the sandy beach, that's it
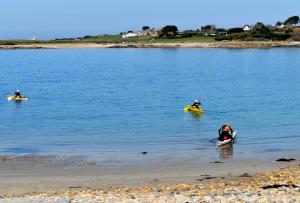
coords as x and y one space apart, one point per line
90 163
227 44
34 178
277 186
150 102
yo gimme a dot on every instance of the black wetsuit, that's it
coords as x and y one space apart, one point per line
196 104
17 94
225 134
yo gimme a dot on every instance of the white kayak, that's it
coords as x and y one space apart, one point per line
220 143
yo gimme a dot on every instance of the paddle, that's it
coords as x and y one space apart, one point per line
213 140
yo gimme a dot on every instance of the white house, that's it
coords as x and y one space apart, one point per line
129 35
281 26
247 27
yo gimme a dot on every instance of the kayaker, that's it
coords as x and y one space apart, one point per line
196 104
225 132
17 93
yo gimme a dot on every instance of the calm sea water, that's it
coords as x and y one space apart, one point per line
102 102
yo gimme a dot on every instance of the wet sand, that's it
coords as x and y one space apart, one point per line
56 176
282 185
224 44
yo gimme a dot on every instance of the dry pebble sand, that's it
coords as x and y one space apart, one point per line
224 44
282 185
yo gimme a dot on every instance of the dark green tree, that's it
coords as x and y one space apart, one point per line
235 30
145 28
261 29
258 26
169 30
279 23
208 29
294 20
87 36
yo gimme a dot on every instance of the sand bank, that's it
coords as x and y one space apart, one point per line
229 44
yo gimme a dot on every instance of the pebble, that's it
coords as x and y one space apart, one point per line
237 190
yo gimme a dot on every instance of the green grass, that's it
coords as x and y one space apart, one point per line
104 39
195 38
14 42
147 39
115 39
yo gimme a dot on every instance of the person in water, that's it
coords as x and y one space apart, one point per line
17 93
196 104
225 132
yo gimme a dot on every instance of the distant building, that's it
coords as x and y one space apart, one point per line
208 29
288 29
33 38
296 33
281 26
143 33
129 35
271 27
296 29
247 27
155 32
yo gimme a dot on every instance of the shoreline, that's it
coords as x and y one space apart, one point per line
31 174
95 45
247 181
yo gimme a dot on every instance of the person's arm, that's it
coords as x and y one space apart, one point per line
231 129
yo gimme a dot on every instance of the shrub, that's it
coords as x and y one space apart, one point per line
235 30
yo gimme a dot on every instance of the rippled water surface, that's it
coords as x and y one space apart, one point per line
106 101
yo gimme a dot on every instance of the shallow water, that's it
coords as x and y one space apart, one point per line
116 103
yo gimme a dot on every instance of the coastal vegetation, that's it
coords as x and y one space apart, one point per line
281 31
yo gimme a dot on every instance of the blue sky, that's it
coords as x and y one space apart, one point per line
48 19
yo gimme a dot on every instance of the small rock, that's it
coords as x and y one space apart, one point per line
246 175
206 178
277 186
217 162
286 160
75 187
132 196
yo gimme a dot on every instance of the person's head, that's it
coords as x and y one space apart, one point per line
226 128
197 101
17 90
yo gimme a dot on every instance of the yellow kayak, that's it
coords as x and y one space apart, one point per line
22 98
192 109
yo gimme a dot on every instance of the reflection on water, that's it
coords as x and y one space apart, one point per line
197 115
225 151
17 105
